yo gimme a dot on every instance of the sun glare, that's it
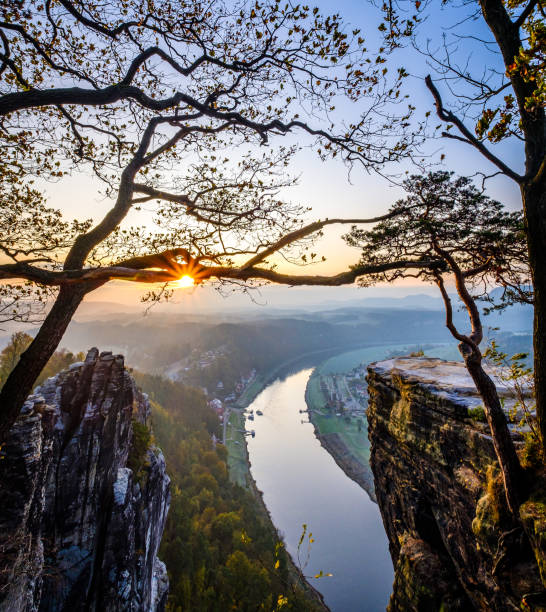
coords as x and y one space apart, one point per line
184 282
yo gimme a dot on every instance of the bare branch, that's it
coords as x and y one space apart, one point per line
476 335
449 314
311 229
449 117
525 13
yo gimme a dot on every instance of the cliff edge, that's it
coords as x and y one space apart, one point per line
437 486
83 496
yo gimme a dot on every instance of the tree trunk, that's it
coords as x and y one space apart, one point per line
22 378
502 440
534 205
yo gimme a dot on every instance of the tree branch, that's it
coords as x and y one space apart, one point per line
449 117
526 12
311 229
192 209
22 100
449 314
170 270
486 265
476 334
93 24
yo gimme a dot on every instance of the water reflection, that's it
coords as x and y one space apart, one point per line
301 483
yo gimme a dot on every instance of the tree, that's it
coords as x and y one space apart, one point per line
19 342
498 98
480 244
248 585
11 353
153 100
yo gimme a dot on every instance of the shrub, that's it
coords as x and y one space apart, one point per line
139 446
477 414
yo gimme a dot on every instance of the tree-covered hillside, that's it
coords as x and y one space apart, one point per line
220 550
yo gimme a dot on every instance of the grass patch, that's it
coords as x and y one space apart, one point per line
236 448
250 393
477 414
313 395
356 441
327 422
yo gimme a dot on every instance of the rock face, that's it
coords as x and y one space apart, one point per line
79 529
442 508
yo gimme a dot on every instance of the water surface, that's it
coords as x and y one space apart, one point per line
301 483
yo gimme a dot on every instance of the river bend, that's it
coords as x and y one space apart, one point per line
301 483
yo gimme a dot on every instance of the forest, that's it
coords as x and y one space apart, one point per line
220 550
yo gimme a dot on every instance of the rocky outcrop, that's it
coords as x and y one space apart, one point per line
441 501
83 496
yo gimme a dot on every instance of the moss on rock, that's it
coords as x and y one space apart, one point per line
533 516
421 582
140 444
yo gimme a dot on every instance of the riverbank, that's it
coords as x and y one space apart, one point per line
345 436
263 379
347 442
239 466
238 462
296 575
348 445
302 484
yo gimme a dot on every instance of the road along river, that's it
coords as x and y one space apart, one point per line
301 483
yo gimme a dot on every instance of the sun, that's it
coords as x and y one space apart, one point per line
184 282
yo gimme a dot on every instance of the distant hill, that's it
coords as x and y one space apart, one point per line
419 300
152 343
161 337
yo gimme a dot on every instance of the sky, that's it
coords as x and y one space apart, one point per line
326 186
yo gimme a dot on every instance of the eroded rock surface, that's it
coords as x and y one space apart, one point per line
79 530
431 462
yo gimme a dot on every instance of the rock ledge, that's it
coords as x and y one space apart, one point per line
433 467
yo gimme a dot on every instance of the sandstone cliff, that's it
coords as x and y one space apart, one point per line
80 529
452 546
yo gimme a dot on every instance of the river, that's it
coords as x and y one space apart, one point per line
301 483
